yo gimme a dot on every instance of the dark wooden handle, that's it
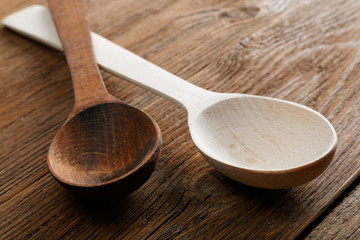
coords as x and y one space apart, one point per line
71 23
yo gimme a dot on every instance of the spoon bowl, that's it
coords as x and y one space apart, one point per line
264 142
105 149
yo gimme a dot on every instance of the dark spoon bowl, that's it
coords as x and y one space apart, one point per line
109 149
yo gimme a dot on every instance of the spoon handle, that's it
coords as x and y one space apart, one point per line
36 23
72 26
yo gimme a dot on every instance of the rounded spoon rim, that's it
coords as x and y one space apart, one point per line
274 171
123 176
329 150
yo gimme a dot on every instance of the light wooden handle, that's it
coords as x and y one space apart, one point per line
71 23
36 23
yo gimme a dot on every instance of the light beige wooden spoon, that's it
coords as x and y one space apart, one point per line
259 141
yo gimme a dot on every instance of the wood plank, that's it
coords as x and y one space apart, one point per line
343 222
303 51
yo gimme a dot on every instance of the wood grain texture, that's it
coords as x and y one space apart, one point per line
72 26
343 222
303 51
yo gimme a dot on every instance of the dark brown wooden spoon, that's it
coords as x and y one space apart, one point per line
106 147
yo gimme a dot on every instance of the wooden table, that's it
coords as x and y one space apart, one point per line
303 51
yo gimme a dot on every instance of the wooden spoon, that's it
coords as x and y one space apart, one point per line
259 141
105 147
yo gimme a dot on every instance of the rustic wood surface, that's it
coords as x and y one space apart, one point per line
342 222
303 51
